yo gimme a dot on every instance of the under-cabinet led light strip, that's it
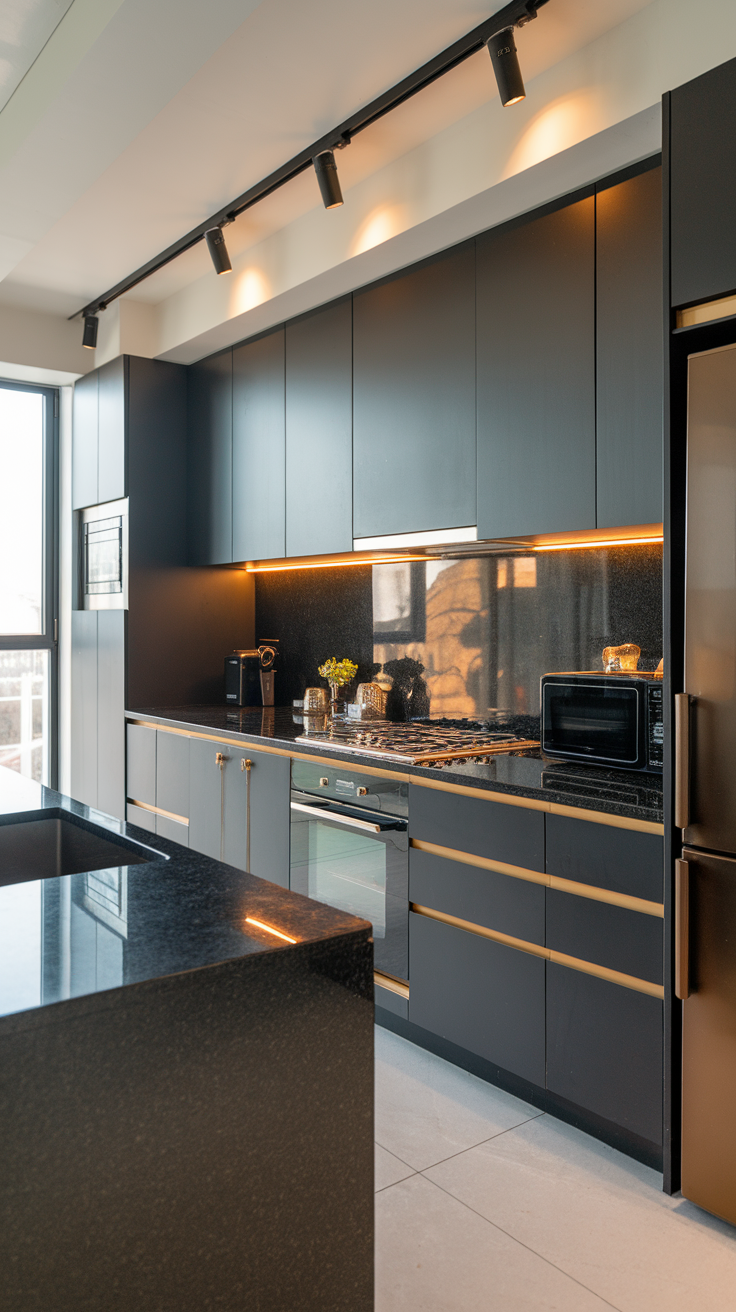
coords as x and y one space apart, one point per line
605 542
331 564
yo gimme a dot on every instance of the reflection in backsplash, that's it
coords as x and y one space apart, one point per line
485 628
470 636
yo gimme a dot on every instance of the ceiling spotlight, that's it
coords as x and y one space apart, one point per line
89 336
502 49
218 250
329 183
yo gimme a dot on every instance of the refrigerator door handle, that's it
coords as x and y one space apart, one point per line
682 929
682 760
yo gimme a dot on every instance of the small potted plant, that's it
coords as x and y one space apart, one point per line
338 674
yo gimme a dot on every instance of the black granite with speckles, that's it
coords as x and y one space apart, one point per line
186 1106
636 795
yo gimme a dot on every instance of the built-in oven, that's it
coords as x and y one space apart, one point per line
350 849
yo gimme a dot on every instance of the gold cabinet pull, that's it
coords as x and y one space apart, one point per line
247 766
682 929
682 760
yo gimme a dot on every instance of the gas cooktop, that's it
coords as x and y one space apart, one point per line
417 743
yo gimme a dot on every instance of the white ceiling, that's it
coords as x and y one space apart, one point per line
25 27
138 120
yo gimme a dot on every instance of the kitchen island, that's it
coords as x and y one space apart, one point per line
186 1074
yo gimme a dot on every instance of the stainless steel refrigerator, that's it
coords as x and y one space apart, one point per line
705 808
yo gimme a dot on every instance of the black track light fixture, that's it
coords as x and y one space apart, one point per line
218 250
89 335
502 49
329 183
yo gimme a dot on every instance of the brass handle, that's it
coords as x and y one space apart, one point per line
247 766
324 781
362 792
682 929
682 760
220 759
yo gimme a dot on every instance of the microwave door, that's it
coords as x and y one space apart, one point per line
710 601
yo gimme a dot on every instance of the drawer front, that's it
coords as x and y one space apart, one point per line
484 897
623 940
172 773
623 860
511 834
483 996
171 829
135 815
604 1050
141 764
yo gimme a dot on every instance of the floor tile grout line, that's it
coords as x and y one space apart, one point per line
419 1170
394 1183
521 1243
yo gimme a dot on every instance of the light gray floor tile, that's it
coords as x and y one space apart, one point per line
389 1170
435 1255
427 1109
599 1216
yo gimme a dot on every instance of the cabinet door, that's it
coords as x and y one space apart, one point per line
630 356
483 897
484 996
210 442
414 399
604 1050
621 860
259 449
703 186
512 834
141 764
112 408
536 375
205 797
172 773
319 432
268 853
135 815
84 707
173 830
111 712
84 441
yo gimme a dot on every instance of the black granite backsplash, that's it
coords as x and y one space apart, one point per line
466 637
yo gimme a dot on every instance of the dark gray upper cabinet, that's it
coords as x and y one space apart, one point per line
536 375
84 448
259 456
319 431
210 463
629 351
414 399
112 420
703 186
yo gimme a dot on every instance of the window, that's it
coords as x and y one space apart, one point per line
28 580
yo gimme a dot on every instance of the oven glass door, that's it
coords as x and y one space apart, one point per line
359 865
592 722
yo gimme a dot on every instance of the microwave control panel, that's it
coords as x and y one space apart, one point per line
655 726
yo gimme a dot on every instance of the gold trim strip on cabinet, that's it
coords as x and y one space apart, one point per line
549 954
482 862
591 891
393 985
157 810
462 790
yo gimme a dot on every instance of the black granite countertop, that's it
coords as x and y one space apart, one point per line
632 794
169 910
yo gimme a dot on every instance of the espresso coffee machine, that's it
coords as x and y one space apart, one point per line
250 675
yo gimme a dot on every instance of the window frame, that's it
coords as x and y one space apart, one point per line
48 638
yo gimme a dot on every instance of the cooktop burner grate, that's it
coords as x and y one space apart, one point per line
419 744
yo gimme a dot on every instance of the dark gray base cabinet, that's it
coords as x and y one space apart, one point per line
204 782
482 995
604 1050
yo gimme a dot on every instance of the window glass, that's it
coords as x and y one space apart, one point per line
21 512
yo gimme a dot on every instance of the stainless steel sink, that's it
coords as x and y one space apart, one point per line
59 845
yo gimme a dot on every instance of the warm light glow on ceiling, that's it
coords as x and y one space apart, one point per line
601 542
250 920
331 564
558 126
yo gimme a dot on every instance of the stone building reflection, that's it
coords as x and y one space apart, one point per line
485 628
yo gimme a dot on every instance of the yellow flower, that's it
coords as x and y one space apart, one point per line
339 672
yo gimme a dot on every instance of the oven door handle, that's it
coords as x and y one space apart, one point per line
350 821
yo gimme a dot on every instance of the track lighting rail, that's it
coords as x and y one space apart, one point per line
515 14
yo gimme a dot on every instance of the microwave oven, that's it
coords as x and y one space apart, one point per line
615 720
104 556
